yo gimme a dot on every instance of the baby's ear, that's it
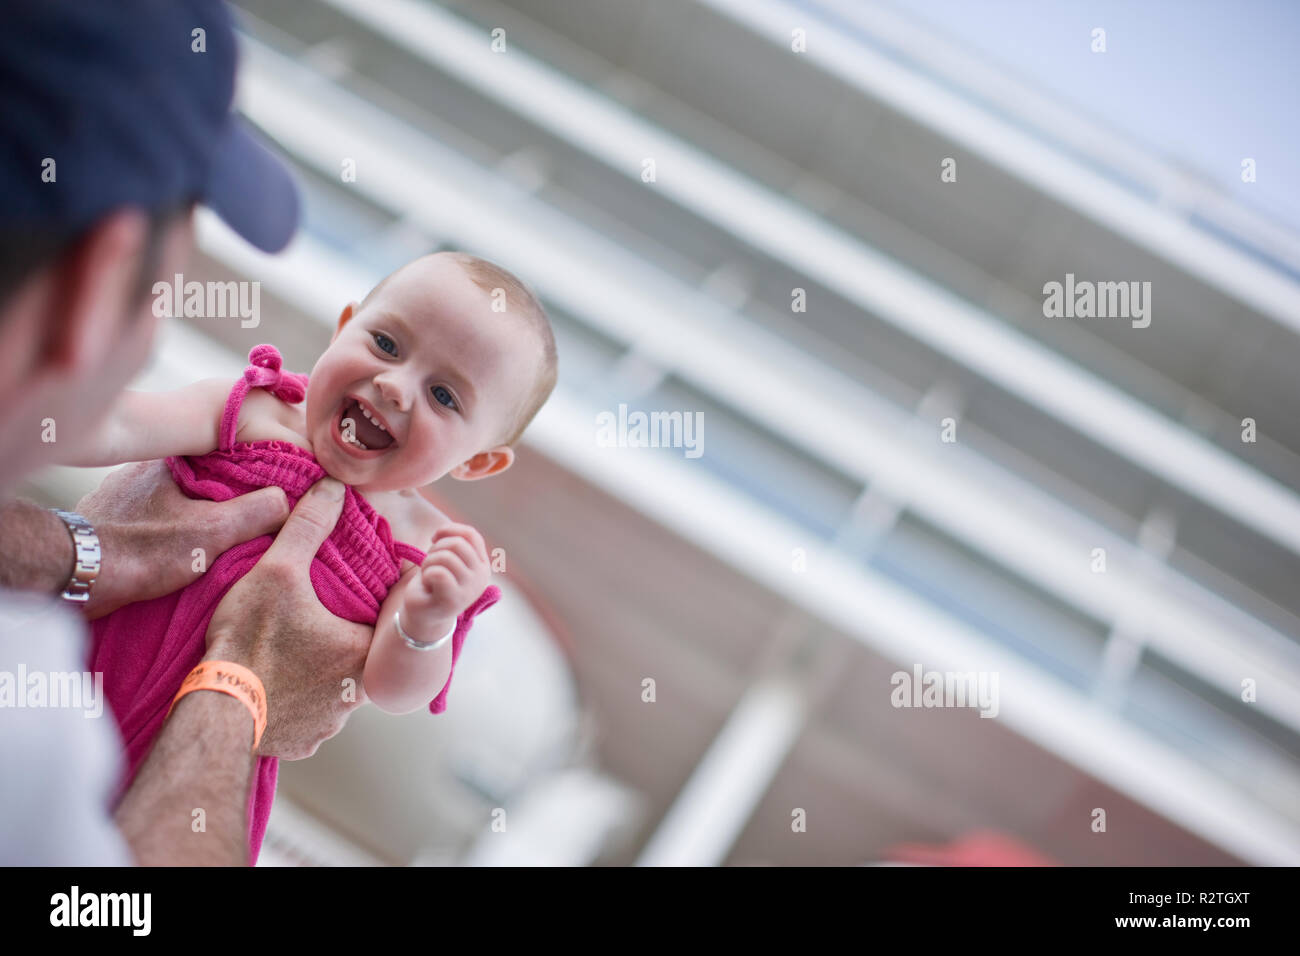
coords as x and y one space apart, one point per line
349 310
490 462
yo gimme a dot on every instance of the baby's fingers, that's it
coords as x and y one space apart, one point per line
444 565
463 531
459 547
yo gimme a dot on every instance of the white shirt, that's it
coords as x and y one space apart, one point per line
60 750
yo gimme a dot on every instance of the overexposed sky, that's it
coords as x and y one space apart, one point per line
1205 82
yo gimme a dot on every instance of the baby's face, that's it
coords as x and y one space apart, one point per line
425 376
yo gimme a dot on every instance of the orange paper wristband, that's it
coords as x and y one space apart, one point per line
233 679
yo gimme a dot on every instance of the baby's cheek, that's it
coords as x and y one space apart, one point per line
400 466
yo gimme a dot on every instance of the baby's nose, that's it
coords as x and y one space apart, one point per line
391 390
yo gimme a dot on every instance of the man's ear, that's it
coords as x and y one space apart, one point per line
490 462
94 289
345 316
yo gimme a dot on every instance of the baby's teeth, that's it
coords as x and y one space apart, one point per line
372 419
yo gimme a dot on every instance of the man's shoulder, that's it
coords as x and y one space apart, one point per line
45 625
69 764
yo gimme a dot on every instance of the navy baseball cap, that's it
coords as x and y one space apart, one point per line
112 103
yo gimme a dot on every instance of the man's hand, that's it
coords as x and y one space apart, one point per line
272 622
149 532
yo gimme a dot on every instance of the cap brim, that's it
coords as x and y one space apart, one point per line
252 189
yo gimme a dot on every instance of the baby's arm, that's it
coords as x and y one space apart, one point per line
142 426
430 598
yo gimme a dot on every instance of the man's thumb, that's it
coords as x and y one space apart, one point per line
311 522
254 514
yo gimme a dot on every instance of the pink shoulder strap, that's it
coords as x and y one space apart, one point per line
409 551
264 371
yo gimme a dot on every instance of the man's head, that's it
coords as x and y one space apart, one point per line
437 371
76 327
114 121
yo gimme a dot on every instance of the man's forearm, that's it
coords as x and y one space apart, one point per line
35 548
201 761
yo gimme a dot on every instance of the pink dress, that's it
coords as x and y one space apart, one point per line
145 649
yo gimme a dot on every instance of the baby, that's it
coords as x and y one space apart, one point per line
437 371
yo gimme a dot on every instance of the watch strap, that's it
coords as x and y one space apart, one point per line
86 557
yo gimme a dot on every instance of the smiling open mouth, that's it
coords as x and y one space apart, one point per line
359 430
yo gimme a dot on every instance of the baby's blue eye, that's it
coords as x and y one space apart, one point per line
444 397
384 342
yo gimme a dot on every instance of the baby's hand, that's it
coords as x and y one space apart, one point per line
454 573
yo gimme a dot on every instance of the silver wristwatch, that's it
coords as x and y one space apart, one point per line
85 545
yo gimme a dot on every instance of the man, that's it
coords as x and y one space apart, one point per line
115 119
